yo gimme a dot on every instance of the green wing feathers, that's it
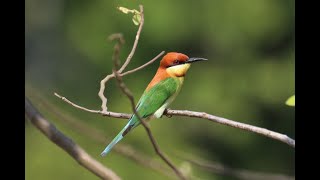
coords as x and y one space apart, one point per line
153 99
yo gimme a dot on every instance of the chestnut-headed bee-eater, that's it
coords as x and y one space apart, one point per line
160 92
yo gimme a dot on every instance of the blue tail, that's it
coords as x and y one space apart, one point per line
121 134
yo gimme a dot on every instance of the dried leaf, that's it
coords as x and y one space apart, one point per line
124 10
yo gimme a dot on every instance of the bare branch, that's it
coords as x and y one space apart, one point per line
75 105
243 126
221 169
169 112
117 47
135 42
108 113
75 151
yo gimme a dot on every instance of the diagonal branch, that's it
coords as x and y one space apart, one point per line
143 66
80 155
99 137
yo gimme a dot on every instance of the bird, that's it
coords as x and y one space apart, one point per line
160 92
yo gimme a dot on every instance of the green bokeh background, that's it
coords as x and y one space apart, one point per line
248 78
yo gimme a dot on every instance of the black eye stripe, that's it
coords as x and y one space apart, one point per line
179 62
176 62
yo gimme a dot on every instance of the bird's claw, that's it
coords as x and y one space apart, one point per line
166 113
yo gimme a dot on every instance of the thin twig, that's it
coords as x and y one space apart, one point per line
75 105
107 78
135 42
74 150
142 66
243 126
117 47
261 131
221 169
108 113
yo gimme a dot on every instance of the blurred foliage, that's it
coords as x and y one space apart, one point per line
291 101
250 73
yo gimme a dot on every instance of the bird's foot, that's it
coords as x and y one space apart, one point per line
166 113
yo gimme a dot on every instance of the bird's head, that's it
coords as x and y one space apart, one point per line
177 64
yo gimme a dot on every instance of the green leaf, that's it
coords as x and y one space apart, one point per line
291 101
136 19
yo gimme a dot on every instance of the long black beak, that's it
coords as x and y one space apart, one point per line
195 59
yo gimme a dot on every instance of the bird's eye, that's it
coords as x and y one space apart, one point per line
175 62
